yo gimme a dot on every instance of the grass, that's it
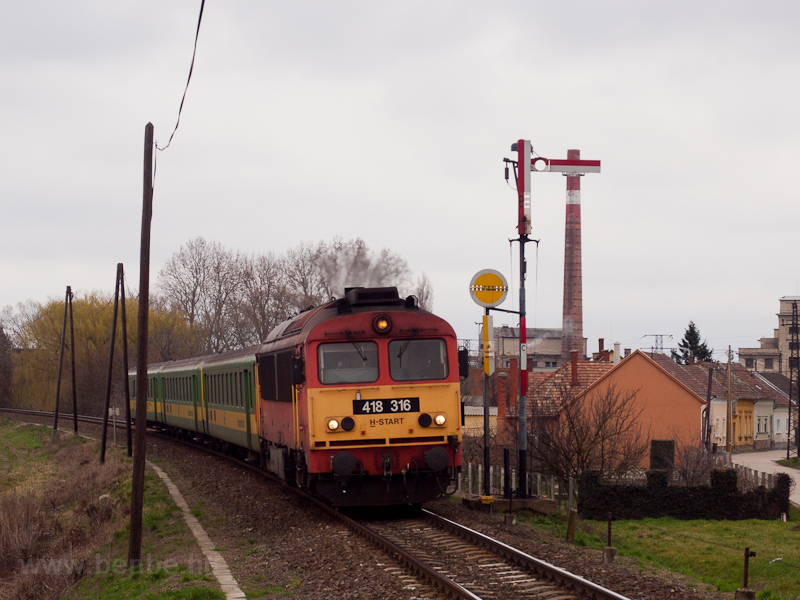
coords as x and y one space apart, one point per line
23 459
65 522
709 551
792 463
172 565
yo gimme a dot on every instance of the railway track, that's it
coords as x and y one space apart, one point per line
441 558
482 566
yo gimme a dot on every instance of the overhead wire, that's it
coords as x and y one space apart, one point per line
183 98
191 68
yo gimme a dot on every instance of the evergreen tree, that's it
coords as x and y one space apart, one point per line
690 348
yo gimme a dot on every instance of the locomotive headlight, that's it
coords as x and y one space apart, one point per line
439 420
333 424
382 324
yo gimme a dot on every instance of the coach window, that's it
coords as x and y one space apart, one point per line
413 360
348 362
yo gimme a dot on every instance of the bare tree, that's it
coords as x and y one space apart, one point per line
315 274
424 292
693 464
182 280
265 301
221 298
235 301
602 432
202 280
304 280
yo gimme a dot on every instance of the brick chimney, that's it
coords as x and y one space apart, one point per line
573 359
572 321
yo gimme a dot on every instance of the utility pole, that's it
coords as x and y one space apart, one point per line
137 492
61 359
125 383
107 403
707 414
729 424
794 376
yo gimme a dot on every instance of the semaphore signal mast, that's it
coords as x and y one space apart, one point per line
573 167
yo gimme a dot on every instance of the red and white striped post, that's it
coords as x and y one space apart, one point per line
523 148
574 168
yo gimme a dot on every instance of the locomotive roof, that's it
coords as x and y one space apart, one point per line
355 300
295 329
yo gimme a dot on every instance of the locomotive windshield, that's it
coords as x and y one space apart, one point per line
411 360
348 362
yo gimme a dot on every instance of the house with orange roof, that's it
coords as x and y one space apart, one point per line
672 401
666 399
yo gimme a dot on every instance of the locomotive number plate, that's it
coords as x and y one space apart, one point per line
388 405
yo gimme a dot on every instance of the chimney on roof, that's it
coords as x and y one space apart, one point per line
616 353
601 344
572 319
627 352
691 359
573 359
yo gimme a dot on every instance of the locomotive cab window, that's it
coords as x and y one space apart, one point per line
348 362
413 360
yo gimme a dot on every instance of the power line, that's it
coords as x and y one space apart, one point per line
186 89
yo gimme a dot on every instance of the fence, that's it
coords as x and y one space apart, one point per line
471 483
748 479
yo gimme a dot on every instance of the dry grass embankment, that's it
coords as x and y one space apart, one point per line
55 503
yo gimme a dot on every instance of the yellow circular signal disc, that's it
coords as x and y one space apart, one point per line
488 288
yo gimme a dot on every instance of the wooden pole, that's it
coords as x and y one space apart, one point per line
707 424
72 355
125 363
729 427
107 404
61 361
137 495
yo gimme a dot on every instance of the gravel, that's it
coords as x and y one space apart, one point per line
277 543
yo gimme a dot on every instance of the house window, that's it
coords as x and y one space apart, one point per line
716 428
768 364
777 425
748 363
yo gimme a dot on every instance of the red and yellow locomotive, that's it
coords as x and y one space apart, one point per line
356 400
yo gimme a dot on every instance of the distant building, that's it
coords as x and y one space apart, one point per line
543 348
773 355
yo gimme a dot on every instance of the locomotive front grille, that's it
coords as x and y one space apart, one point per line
417 440
377 442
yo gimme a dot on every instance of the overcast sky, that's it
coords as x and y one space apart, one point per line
389 121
